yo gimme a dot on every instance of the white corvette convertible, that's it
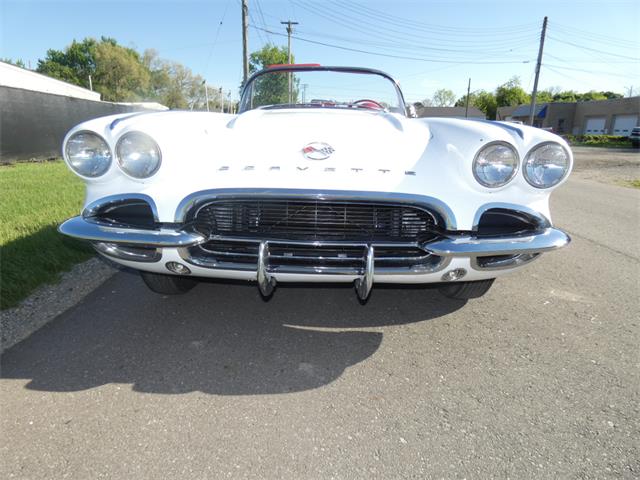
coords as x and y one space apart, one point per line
322 176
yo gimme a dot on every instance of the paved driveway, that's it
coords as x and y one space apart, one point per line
538 379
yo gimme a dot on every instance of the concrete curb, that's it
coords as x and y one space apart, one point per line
49 301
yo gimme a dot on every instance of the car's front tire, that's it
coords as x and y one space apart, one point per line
466 290
167 284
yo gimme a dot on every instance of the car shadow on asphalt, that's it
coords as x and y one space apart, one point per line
220 338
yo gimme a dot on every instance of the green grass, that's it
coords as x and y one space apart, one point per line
634 183
34 199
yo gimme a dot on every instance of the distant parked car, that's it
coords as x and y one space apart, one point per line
635 137
350 189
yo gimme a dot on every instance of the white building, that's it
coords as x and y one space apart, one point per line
16 77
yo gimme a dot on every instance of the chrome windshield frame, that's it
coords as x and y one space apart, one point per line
246 89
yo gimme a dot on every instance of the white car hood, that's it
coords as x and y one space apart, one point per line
361 139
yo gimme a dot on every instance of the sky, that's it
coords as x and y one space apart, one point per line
426 45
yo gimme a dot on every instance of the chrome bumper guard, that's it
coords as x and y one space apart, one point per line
451 246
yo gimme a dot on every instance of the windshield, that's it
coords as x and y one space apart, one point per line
322 88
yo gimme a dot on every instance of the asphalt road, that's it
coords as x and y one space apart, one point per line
538 379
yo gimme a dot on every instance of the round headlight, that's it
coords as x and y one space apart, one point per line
495 164
138 155
546 164
88 154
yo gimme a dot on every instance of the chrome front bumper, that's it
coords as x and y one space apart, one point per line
520 248
452 246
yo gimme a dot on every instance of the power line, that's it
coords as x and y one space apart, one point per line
375 30
419 59
215 40
597 37
591 49
361 9
557 72
594 72
261 15
396 46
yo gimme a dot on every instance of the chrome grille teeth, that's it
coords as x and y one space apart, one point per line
317 220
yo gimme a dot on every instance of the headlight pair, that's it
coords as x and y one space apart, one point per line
545 165
89 155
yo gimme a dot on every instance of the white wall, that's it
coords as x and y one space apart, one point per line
16 77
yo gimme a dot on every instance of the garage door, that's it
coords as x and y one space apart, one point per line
623 124
595 125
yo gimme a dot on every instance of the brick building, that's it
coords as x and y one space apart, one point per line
599 117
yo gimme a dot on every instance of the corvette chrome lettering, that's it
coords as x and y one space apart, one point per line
301 168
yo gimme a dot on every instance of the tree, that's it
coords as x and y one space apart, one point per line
119 74
173 84
592 95
18 62
122 74
487 103
185 89
544 96
444 98
427 102
612 95
267 55
73 65
566 96
511 93
482 100
272 89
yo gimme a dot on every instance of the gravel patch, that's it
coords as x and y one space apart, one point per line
49 301
615 166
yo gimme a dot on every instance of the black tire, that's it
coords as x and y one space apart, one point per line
466 290
167 284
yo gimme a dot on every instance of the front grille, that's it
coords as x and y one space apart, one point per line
290 256
312 235
316 220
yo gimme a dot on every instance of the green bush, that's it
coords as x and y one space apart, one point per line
597 140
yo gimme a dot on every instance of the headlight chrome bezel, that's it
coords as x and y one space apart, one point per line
119 159
67 157
514 172
532 151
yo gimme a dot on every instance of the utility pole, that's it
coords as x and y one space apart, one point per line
538 63
245 40
288 23
304 92
90 84
466 104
